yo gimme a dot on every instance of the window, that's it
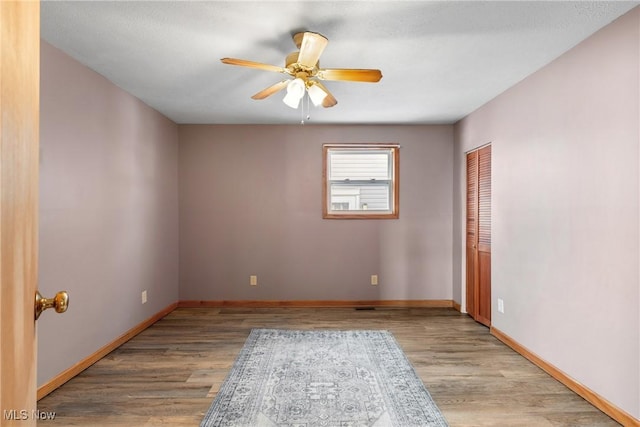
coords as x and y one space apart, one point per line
360 181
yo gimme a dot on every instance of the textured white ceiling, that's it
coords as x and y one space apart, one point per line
440 59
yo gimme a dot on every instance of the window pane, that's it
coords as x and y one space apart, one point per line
364 166
360 197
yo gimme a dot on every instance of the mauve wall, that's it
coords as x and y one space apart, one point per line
565 252
250 204
108 211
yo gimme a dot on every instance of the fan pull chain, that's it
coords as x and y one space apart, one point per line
302 116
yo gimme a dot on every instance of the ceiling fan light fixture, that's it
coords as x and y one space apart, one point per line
295 92
316 94
304 67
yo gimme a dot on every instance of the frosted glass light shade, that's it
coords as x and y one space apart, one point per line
295 92
316 94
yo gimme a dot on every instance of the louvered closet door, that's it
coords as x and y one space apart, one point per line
472 231
479 235
483 314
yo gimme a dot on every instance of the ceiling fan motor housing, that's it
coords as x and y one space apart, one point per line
294 67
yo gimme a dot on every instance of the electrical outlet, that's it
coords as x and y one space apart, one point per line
253 280
144 297
374 279
500 306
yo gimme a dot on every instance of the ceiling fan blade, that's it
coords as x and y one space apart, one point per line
252 64
271 90
349 74
329 100
311 48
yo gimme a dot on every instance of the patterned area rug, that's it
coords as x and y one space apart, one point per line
322 378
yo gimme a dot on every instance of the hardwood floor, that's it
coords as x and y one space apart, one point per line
169 374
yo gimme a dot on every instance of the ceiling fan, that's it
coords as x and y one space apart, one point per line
304 67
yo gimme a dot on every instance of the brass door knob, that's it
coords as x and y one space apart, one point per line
60 302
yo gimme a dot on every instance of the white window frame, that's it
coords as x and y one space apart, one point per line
393 183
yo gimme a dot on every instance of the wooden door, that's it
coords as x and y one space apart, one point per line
478 245
19 131
472 231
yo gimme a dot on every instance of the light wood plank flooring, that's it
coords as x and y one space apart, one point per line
169 374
